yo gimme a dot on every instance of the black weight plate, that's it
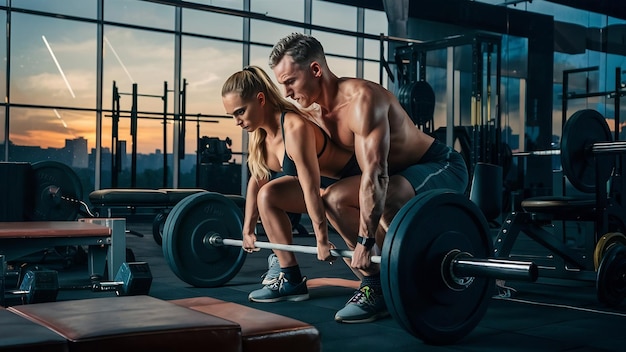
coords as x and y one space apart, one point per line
422 102
404 98
185 235
54 180
582 129
157 227
611 280
424 230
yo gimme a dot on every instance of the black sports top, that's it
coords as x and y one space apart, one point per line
289 167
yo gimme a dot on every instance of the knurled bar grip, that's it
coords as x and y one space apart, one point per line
217 240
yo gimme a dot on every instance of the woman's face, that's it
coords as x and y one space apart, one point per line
248 115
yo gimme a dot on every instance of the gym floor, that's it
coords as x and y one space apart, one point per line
548 315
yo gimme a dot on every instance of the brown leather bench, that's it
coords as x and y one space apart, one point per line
133 323
260 330
144 323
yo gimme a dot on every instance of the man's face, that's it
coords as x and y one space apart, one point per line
299 82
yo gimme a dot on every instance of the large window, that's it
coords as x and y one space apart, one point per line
53 61
206 64
59 98
3 73
333 15
269 33
212 24
139 13
286 9
80 8
375 23
138 56
146 59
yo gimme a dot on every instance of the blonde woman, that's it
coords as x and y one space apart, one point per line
282 140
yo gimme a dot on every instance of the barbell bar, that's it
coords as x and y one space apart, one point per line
214 239
596 148
586 138
549 152
436 276
460 265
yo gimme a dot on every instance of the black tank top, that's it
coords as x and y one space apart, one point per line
289 167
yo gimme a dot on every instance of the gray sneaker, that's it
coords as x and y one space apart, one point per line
281 290
366 305
273 270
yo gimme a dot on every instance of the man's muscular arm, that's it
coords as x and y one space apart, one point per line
371 144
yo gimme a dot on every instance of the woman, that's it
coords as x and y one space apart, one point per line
282 139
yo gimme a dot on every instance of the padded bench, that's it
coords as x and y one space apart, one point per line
147 201
260 330
105 239
144 323
135 199
132 323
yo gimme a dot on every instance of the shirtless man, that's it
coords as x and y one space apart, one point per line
397 159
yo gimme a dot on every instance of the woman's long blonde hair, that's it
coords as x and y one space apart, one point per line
248 83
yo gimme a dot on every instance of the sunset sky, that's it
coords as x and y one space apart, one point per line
53 62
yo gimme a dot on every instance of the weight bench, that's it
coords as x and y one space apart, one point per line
153 201
144 323
132 323
591 192
260 331
105 239
160 202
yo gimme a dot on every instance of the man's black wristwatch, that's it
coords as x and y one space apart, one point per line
367 242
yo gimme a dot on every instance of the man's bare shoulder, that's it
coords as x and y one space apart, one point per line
361 89
359 84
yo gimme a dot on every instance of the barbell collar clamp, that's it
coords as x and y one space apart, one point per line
454 281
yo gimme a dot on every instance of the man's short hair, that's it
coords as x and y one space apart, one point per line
301 47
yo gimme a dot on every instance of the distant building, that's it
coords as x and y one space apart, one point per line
77 148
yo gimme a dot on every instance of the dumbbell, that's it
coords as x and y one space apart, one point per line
132 279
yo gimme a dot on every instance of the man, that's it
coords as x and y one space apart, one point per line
396 158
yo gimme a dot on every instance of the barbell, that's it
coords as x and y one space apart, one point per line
586 136
457 266
436 276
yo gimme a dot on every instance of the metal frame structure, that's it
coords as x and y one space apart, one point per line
485 121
